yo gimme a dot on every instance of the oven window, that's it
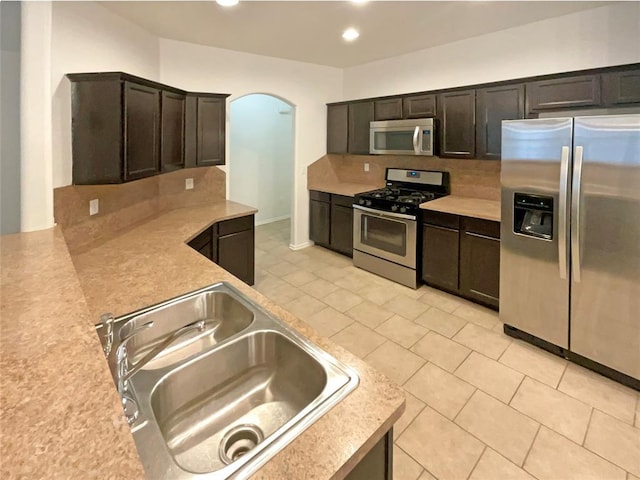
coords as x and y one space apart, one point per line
384 234
395 140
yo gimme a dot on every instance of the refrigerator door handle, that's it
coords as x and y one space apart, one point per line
575 214
563 212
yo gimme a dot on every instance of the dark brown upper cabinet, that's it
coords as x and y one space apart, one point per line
457 124
621 88
360 117
172 131
493 105
563 93
387 109
337 128
125 128
419 106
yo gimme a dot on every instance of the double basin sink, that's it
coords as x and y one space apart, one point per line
221 400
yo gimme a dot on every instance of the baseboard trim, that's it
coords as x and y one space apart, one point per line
271 220
300 246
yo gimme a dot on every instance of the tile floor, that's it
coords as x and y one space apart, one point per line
480 405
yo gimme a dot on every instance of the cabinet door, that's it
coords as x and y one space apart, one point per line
337 128
440 256
342 229
210 131
419 106
172 131
360 116
141 131
480 267
559 93
236 255
319 222
388 109
191 131
621 88
457 124
492 106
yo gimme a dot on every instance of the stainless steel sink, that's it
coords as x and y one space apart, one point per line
225 410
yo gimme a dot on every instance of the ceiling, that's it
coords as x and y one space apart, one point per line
310 31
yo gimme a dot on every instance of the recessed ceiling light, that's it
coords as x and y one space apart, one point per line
227 3
359 1
350 34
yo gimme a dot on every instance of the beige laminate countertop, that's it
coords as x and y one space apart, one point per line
344 188
465 206
60 413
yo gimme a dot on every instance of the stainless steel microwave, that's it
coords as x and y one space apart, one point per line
402 137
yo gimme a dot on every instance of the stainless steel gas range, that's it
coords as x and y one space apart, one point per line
386 233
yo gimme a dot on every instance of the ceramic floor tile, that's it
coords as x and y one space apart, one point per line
406 307
534 362
493 466
350 281
476 314
426 476
402 331
552 408
397 363
490 376
330 273
482 340
413 407
614 440
304 306
442 322
441 351
630 476
404 467
299 277
501 427
414 293
283 268
600 392
440 446
376 293
440 390
441 300
329 321
554 457
342 300
358 339
319 288
283 293
369 314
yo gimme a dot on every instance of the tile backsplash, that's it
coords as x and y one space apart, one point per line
469 177
125 204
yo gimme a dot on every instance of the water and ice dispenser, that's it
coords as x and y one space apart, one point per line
533 215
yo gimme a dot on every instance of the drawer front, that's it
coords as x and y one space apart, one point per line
235 225
320 196
441 219
342 200
481 227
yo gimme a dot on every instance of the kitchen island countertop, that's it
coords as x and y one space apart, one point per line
60 412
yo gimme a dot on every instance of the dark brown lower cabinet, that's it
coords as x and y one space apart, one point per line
331 221
342 228
230 244
462 255
320 218
378 463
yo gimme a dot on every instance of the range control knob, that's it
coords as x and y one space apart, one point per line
361 201
403 209
368 203
394 208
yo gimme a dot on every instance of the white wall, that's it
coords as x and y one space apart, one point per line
306 86
87 37
260 163
599 37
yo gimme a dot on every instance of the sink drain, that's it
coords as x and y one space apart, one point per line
238 441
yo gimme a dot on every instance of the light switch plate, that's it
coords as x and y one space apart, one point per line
188 183
94 206
366 167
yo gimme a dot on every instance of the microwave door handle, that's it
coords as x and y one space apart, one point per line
416 140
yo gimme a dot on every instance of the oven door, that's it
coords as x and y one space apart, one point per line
387 235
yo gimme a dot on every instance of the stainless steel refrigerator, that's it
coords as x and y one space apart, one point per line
570 238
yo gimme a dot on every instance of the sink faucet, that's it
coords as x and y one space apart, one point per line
122 364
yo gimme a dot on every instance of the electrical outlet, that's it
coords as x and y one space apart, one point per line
94 206
366 167
188 183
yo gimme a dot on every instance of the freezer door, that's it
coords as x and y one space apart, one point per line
605 242
534 285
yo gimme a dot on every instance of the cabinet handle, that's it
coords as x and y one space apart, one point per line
478 235
446 229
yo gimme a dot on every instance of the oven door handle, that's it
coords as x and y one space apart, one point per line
385 214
